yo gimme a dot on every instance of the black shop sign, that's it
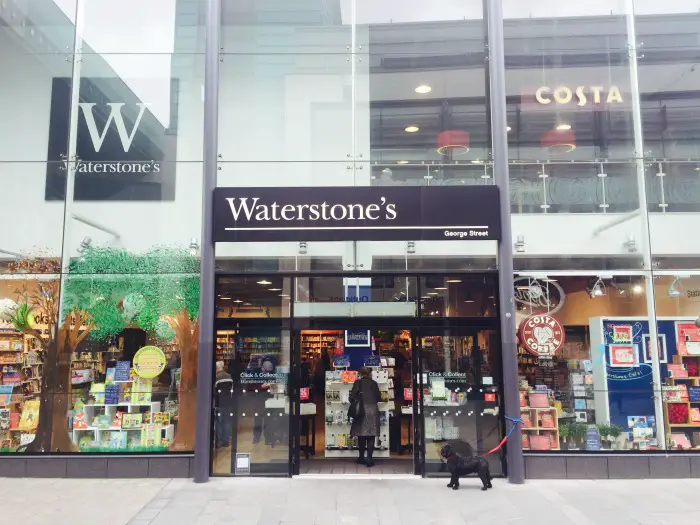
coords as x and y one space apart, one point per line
357 213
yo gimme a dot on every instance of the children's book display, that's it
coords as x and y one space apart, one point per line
339 443
21 370
121 415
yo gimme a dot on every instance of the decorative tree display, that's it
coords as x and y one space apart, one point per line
157 291
57 346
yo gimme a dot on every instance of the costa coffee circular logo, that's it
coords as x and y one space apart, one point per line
541 335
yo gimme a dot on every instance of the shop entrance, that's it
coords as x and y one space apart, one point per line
289 350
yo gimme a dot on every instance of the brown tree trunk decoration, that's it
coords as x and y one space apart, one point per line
69 337
187 340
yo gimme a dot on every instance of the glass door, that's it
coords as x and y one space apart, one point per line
329 355
459 378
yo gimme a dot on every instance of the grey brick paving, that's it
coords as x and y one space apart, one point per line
347 501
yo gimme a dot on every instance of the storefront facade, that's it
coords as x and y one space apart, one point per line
120 288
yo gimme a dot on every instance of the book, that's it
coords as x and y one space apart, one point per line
117 421
97 391
526 421
695 415
141 390
160 418
30 416
104 421
122 371
117 440
677 371
694 393
111 394
110 376
348 376
546 420
150 436
79 422
132 421
538 400
4 419
671 394
681 441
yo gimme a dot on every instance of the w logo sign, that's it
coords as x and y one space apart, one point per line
115 115
121 147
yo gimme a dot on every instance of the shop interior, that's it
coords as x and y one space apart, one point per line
460 381
597 392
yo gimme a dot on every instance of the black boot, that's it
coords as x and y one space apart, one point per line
361 446
370 451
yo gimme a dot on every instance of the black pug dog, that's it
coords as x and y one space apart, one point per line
460 465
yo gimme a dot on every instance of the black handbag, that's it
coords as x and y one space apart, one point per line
357 408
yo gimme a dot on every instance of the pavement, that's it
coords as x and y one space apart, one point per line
346 501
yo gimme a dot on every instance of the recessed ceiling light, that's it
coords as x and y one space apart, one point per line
428 177
432 293
469 301
264 282
411 129
401 162
637 288
563 127
423 89
283 295
275 289
454 280
477 161
225 298
237 301
508 128
440 288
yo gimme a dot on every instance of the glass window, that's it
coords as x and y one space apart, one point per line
458 296
586 377
251 402
461 396
130 322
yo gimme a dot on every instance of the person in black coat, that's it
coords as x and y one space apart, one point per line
366 428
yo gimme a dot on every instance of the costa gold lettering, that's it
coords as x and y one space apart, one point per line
584 95
539 95
563 95
581 96
614 95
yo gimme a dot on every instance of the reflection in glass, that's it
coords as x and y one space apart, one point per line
251 401
461 397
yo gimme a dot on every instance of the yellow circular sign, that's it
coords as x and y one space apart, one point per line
149 362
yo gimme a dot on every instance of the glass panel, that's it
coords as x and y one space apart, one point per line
253 297
33 79
461 397
331 361
458 296
251 404
355 297
279 108
28 312
278 26
597 391
420 82
130 328
129 26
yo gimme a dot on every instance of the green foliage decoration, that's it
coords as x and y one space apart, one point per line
156 283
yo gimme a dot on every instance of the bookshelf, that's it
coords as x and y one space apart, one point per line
685 404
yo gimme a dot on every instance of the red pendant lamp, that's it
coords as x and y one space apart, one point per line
453 141
559 141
